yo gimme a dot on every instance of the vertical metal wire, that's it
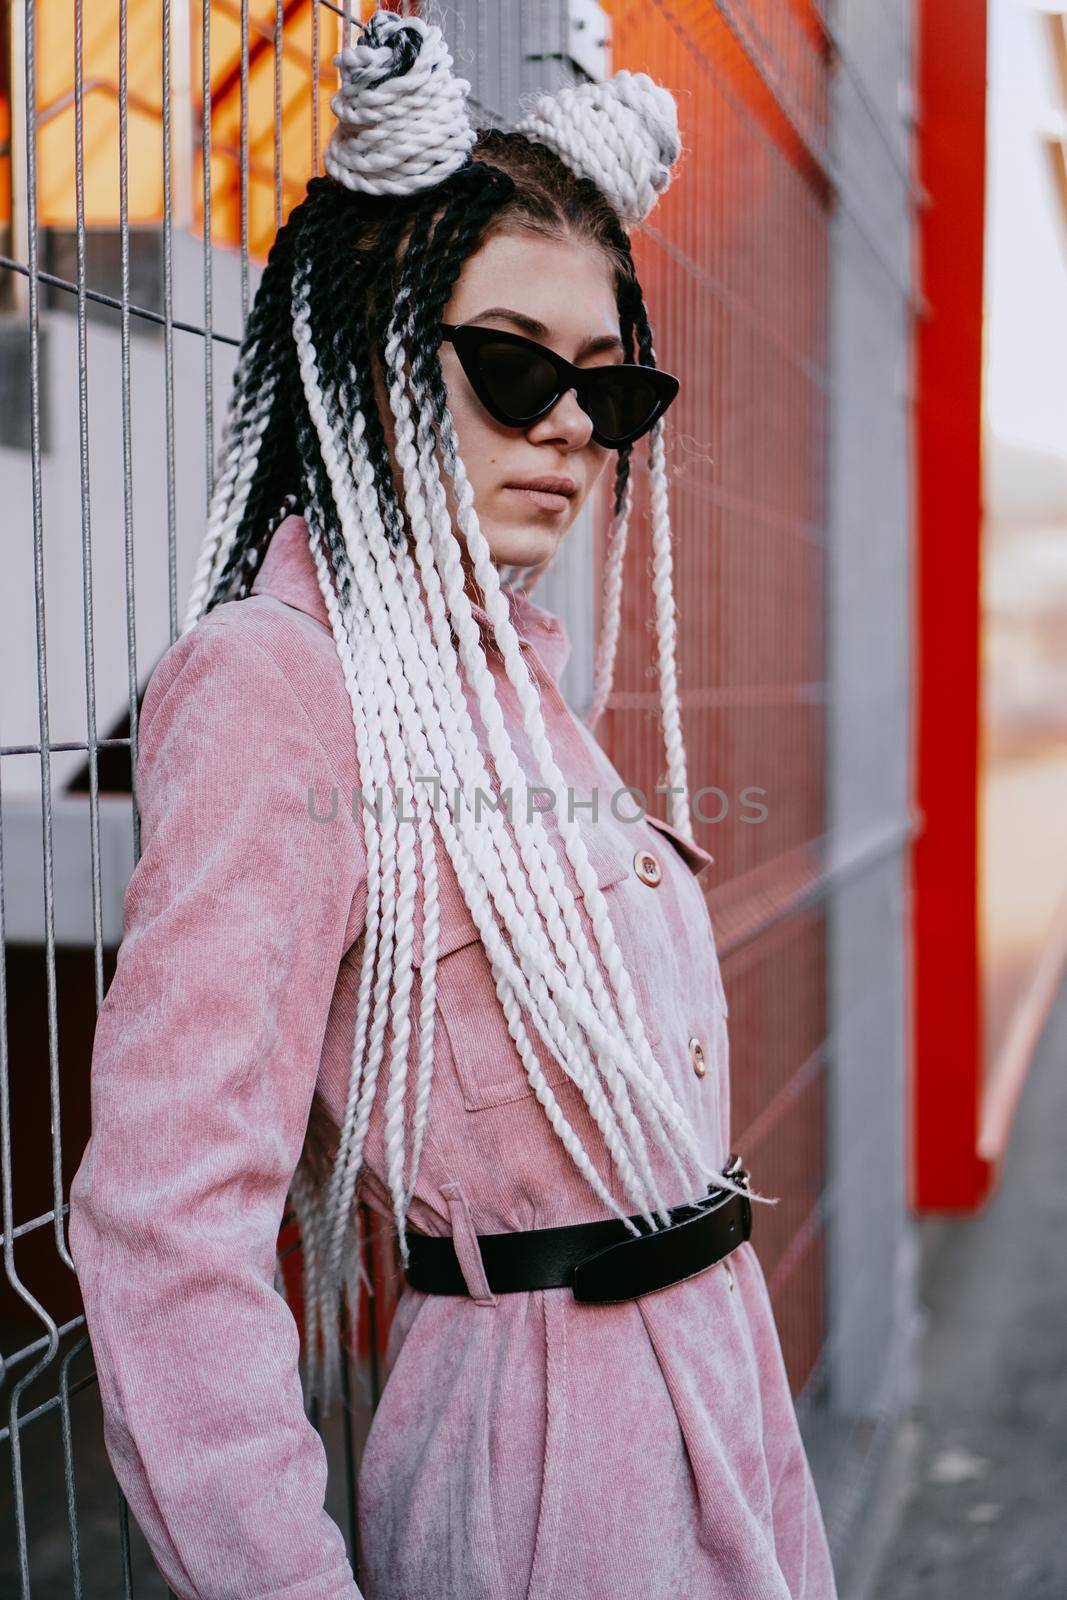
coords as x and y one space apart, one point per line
315 47
209 343
84 501
367 1226
168 332
52 1345
39 606
480 66
124 1545
244 157
68 1457
346 1424
127 418
279 33
501 70
7 1199
127 464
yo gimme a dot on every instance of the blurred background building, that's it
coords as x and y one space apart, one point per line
1024 587
869 479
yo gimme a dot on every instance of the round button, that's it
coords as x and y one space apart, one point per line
696 1056
648 868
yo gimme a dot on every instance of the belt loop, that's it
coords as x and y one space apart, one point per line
465 1240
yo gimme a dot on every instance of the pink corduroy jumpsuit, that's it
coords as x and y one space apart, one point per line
525 1445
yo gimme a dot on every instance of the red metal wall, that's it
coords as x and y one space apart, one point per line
947 1172
734 261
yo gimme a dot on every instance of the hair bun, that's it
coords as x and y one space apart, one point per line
623 134
402 122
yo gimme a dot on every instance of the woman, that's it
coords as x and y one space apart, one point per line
485 1019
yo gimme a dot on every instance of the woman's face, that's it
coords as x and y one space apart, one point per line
561 293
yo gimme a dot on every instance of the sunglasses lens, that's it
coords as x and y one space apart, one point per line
519 382
620 402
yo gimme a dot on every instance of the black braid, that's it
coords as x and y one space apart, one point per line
339 322
384 291
275 479
327 223
633 327
459 230
280 482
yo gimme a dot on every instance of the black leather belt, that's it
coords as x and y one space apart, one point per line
601 1261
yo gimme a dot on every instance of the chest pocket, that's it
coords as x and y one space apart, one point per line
696 858
487 1063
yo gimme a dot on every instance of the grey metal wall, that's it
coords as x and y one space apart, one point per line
873 300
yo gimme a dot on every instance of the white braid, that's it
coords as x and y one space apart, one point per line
303 1198
427 1014
331 1250
623 134
366 720
397 133
666 636
246 424
610 607
395 915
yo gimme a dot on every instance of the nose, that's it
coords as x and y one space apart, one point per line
566 423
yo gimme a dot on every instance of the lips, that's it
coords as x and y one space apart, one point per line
541 498
548 493
551 484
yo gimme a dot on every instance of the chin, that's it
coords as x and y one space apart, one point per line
523 547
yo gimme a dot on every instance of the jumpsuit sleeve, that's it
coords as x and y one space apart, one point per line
205 1060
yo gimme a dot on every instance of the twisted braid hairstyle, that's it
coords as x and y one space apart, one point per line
343 326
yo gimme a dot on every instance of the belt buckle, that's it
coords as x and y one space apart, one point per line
736 1170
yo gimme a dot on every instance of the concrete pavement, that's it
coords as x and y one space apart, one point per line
985 1508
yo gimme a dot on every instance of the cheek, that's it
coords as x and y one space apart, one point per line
462 401
474 427
479 448
600 460
477 434
597 460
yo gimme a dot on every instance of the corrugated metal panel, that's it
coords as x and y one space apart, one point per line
735 264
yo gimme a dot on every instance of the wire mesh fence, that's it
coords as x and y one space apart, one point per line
150 150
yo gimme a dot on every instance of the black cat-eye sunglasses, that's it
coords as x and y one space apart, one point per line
518 380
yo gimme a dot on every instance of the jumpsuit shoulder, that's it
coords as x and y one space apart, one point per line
245 656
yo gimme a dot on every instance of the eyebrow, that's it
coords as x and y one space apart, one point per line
537 330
